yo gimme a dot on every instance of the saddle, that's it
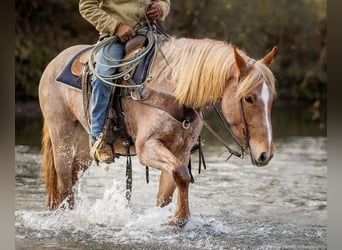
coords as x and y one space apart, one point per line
131 48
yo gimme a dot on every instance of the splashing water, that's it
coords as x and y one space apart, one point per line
233 205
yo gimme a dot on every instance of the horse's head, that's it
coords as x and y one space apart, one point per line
247 103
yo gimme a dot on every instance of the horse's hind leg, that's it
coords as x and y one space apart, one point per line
70 148
63 158
81 157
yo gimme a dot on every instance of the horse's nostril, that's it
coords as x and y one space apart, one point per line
263 157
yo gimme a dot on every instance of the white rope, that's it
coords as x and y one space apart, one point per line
129 63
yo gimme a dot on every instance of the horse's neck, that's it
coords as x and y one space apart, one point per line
159 84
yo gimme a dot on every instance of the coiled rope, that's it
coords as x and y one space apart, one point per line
129 63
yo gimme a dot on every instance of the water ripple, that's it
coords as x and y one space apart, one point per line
233 205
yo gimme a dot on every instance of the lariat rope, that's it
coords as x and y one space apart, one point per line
129 63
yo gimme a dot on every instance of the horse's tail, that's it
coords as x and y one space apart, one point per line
48 169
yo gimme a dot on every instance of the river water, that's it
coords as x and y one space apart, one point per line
233 204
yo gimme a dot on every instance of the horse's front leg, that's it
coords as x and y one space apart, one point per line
154 154
167 187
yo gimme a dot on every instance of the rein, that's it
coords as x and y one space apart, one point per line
217 137
244 147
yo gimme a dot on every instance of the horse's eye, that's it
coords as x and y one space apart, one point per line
249 99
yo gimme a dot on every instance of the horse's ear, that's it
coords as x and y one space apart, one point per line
268 58
240 62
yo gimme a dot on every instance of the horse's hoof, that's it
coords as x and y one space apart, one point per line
178 222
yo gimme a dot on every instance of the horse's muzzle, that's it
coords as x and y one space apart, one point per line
261 159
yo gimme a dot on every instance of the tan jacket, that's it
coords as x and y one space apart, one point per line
105 15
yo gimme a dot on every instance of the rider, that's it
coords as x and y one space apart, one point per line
120 18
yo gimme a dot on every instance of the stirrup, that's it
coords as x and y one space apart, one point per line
96 154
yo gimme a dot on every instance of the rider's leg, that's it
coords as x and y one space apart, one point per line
108 56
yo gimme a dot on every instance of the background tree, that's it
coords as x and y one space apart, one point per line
45 27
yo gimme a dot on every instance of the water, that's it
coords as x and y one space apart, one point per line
233 204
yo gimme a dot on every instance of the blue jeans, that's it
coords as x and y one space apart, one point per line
101 91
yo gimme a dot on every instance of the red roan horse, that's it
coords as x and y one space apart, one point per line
197 73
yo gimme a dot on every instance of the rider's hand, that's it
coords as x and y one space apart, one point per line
124 32
154 11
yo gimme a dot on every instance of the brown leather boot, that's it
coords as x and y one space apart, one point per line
101 151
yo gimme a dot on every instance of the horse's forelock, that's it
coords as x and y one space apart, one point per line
258 74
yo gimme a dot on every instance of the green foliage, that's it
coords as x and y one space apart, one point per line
45 27
297 28
42 30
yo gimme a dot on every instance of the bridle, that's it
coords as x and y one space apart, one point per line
244 146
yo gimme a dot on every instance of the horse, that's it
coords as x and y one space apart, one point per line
196 73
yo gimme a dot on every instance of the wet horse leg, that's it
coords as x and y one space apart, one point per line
64 150
154 154
82 159
167 186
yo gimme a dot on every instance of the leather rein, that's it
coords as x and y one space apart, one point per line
244 146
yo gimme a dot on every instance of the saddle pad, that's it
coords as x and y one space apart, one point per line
67 77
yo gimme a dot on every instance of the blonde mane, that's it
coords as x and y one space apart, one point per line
199 70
